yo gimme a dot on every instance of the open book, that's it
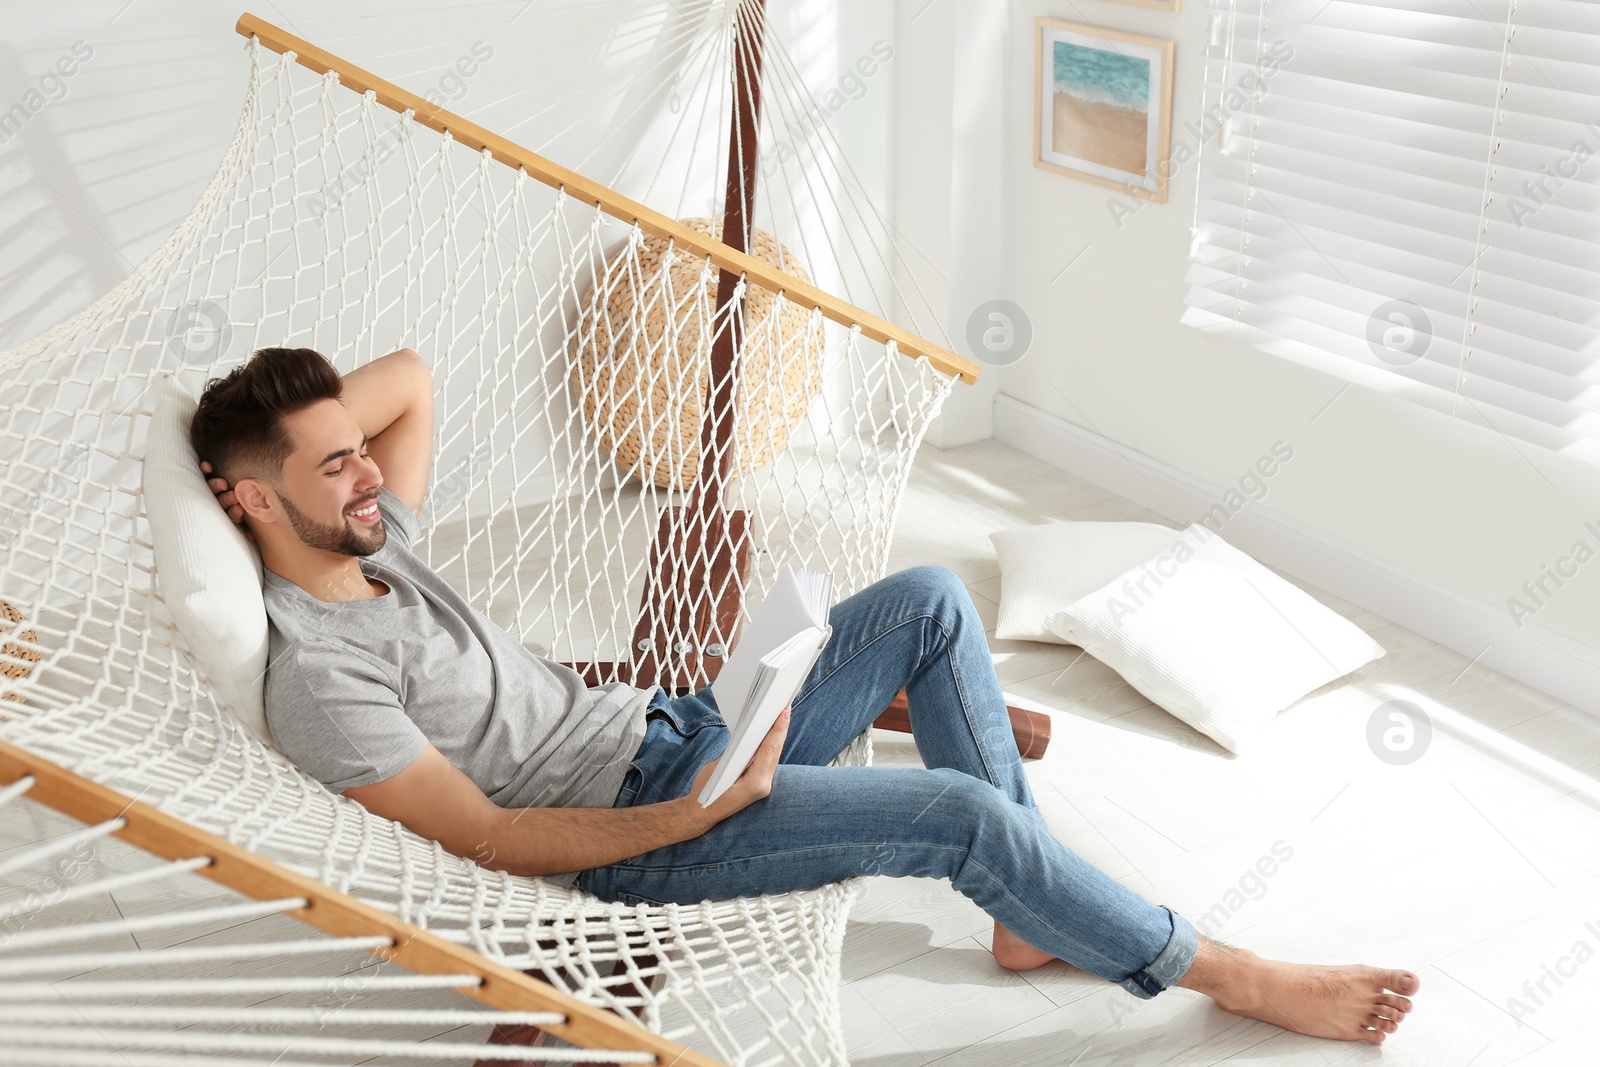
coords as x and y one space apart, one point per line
768 666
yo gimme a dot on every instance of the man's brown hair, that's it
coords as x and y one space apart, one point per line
239 426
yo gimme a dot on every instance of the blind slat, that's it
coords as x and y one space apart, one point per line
1557 241
1498 329
1542 421
1551 114
1310 322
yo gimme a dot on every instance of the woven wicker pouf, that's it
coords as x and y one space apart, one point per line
11 620
644 399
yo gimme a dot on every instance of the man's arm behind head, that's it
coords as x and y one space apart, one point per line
391 399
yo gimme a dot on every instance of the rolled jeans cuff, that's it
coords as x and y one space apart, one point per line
1172 964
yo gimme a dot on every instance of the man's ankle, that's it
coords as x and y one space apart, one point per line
1222 972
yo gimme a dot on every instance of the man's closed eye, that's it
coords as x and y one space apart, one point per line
340 468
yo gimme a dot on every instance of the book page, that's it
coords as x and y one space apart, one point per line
784 612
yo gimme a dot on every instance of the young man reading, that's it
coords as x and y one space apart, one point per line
387 686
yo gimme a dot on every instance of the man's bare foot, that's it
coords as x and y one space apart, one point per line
1349 1003
1015 954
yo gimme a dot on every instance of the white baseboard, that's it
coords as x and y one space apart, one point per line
1479 629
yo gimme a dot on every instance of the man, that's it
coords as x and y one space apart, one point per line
385 685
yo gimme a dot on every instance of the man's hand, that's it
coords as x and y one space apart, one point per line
224 493
753 785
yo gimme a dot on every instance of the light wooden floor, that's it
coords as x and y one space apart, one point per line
1477 866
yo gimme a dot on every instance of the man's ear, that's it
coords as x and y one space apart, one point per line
258 499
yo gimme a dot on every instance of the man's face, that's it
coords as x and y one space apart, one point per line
329 486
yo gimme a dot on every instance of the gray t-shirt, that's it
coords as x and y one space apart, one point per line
356 690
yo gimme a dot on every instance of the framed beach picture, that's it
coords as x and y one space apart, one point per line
1103 102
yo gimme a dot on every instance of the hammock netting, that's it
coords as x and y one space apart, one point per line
118 988
556 335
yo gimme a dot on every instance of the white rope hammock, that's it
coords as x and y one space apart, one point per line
556 334
51 1013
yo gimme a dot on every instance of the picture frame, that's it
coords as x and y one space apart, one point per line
1103 106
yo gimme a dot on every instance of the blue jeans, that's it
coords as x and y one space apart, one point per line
969 817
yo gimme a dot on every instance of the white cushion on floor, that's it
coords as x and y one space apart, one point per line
1214 637
1044 568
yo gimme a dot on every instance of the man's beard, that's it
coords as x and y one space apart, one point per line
344 539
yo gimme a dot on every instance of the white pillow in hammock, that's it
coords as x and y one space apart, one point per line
207 570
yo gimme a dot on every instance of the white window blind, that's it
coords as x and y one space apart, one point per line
1411 198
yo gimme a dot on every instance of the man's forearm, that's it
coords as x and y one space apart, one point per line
540 841
391 399
383 391
432 797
